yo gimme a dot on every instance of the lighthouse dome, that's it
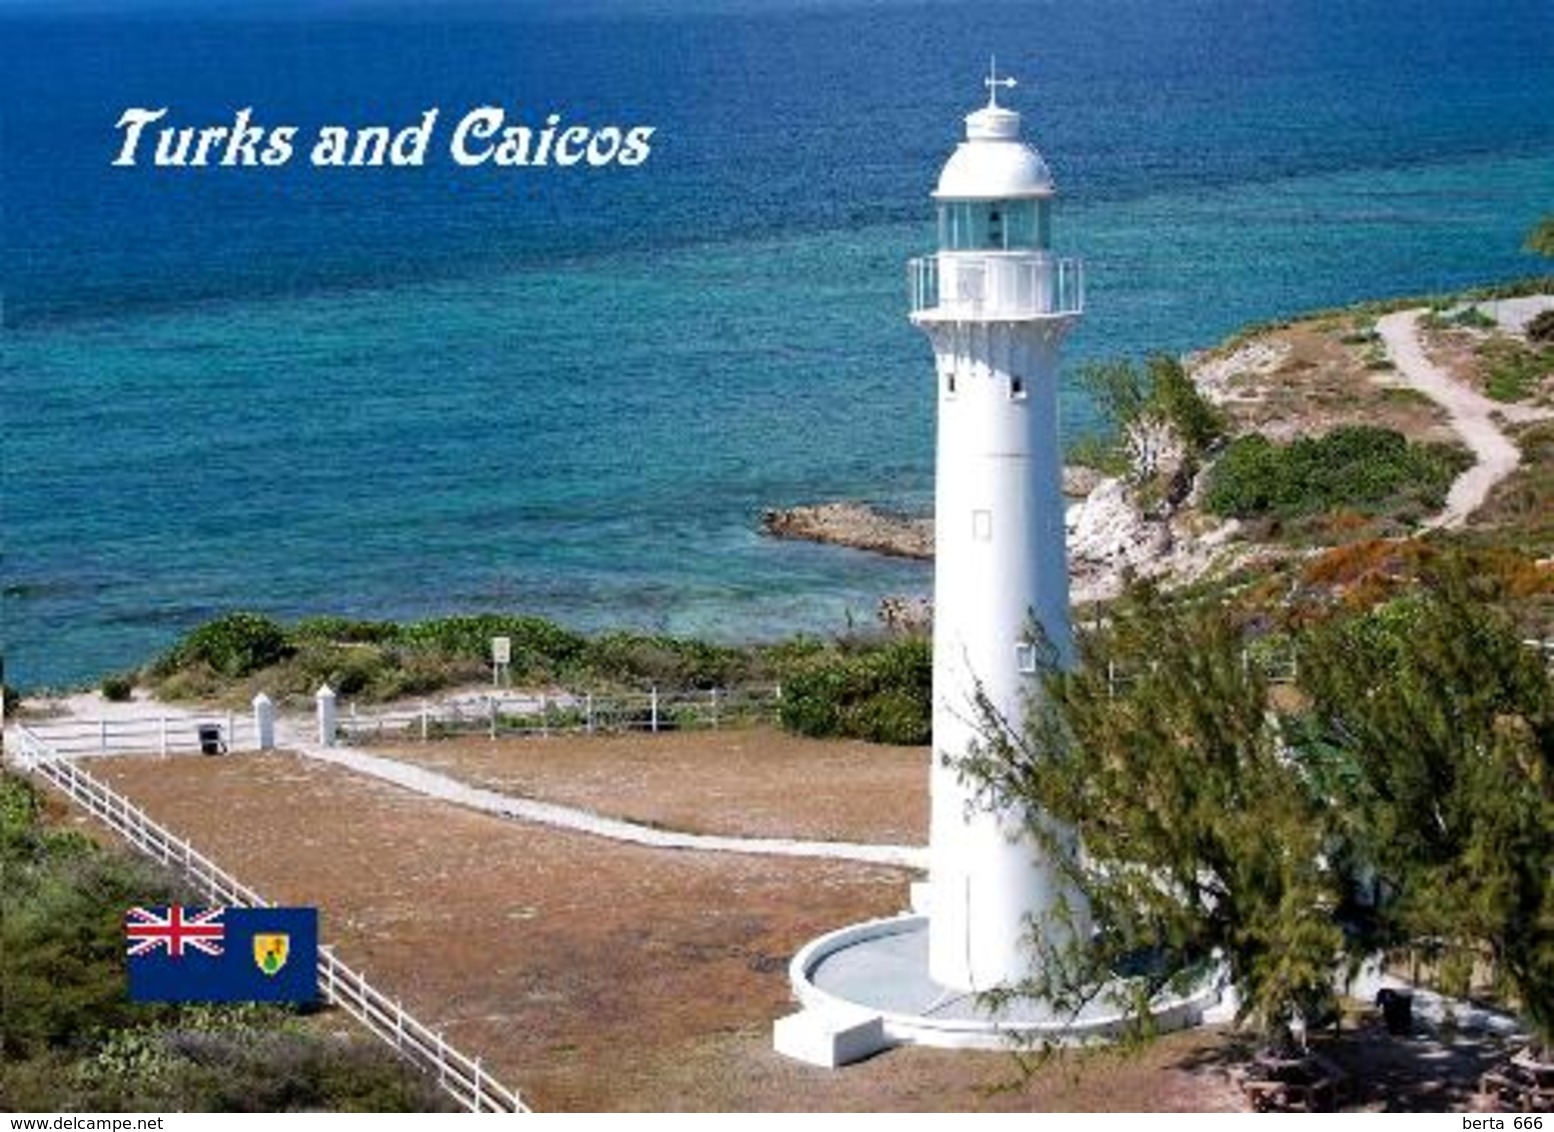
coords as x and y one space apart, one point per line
994 163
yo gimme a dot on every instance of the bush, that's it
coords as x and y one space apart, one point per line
540 647
1374 470
118 689
344 630
635 658
234 646
884 696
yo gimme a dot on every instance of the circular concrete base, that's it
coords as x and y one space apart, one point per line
881 968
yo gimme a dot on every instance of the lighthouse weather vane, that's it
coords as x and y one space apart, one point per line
993 82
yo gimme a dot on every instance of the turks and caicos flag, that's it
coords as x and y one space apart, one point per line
182 954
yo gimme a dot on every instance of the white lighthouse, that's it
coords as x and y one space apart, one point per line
995 303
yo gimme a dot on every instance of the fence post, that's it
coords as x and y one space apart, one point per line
491 711
264 722
102 735
231 731
399 1024
479 1088
588 712
653 703
544 718
326 715
714 709
162 743
423 721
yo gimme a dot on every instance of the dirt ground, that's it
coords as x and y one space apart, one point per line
599 976
1325 381
595 975
756 782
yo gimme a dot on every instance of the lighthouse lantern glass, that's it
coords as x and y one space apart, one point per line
995 225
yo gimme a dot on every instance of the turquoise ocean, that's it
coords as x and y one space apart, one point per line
407 392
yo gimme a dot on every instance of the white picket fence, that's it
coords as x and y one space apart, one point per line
169 734
564 713
459 1075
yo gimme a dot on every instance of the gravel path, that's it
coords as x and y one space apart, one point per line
1471 415
435 785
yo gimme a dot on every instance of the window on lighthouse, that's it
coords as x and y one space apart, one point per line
995 225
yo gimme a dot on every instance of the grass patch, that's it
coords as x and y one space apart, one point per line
1513 370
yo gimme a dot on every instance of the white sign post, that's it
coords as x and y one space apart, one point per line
501 659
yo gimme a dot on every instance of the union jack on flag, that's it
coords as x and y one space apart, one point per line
147 930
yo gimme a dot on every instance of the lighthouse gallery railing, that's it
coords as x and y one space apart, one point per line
1018 286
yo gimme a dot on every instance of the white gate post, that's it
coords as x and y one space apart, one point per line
264 722
654 706
326 715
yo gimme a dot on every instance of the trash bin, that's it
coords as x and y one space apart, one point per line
210 739
1397 1009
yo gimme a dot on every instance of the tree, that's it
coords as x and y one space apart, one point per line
1202 837
1163 424
1404 794
1446 720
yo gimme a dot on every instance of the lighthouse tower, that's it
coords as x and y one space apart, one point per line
995 303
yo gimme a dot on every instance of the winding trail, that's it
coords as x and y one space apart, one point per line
1471 415
436 785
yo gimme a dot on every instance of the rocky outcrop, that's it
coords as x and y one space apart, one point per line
863 526
858 525
1108 530
906 614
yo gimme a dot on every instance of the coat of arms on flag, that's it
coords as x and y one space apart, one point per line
182 954
270 949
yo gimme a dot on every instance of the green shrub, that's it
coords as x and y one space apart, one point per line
1541 328
636 658
118 689
884 695
1368 469
234 645
539 647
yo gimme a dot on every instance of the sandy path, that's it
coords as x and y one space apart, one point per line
440 786
1471 415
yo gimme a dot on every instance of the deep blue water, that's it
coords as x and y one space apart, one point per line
400 392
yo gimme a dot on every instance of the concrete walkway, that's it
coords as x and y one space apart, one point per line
1471 415
440 786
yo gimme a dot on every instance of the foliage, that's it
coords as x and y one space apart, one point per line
70 1039
1098 452
233 645
1376 470
1401 793
1447 720
1201 837
1540 240
1152 411
884 695
118 689
1541 327
1514 370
